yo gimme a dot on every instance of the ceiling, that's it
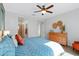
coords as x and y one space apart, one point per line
27 9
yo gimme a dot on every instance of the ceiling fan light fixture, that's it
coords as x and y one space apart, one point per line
43 11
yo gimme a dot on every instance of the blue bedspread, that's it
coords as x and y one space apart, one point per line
34 47
7 47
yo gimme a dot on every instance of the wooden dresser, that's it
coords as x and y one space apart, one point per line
61 38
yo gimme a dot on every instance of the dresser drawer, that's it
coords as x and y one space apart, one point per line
58 37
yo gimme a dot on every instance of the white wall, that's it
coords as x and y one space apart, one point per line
11 23
71 21
42 29
33 27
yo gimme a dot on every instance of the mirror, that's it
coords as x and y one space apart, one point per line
59 24
21 27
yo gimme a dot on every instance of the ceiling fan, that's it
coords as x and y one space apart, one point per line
44 9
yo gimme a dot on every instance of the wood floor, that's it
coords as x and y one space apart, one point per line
71 51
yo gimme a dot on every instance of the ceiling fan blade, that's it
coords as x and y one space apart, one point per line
37 11
38 6
50 6
49 11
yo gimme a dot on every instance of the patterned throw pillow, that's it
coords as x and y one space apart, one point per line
19 39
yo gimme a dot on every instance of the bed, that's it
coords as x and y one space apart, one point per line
34 46
7 47
37 46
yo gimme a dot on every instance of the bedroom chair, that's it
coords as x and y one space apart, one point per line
75 45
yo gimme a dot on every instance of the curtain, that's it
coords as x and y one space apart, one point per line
2 17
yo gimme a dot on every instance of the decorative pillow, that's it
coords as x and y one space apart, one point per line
3 33
19 39
15 41
6 32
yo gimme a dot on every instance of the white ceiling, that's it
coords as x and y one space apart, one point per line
27 9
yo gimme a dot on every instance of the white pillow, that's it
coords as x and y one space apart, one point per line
6 32
3 33
15 41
